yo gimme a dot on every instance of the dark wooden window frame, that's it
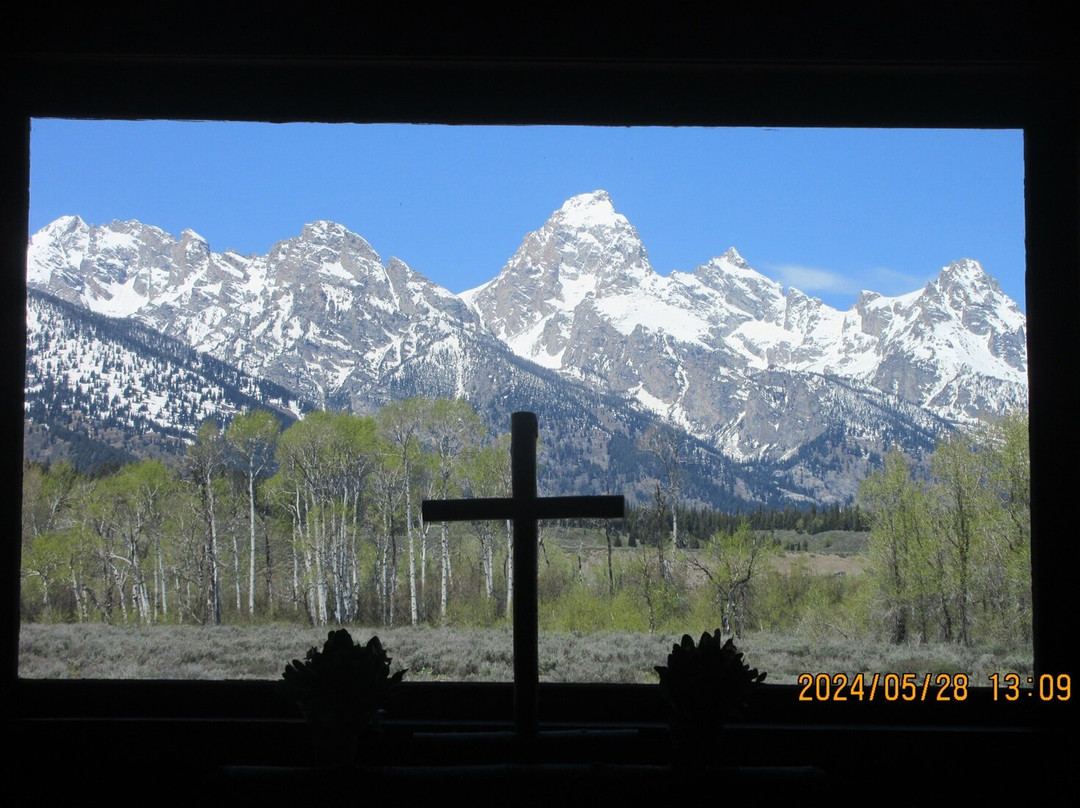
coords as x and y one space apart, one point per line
427 80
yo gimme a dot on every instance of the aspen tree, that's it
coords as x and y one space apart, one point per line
252 437
401 423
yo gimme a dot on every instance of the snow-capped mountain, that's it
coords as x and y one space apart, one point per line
110 388
579 296
779 394
319 314
321 317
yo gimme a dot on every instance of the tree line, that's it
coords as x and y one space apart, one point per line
699 525
950 552
320 520
321 523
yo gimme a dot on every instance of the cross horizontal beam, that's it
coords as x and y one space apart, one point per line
476 510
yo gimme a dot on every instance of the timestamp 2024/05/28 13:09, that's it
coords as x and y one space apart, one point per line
941 687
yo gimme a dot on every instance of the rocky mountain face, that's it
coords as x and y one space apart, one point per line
775 395
320 314
319 318
729 355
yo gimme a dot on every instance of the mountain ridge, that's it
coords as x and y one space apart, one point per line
752 370
745 322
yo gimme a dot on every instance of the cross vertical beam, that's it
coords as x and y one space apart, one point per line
524 508
524 432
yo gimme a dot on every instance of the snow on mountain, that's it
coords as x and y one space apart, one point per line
115 382
585 250
580 297
749 369
319 313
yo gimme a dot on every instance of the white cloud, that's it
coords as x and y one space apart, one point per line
891 282
829 283
812 280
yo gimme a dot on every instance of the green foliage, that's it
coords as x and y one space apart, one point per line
660 587
833 607
50 573
556 574
813 605
780 604
699 525
950 555
476 612
734 564
901 551
580 610
253 435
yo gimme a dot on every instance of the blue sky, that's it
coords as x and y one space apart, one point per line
830 211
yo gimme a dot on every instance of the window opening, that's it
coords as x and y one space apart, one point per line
47 578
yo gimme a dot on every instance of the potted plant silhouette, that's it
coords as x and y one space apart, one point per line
342 691
705 686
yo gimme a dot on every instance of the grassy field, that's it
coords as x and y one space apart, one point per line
828 552
819 642
98 651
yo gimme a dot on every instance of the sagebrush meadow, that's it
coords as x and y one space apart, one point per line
99 651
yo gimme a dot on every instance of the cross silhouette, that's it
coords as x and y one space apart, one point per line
524 509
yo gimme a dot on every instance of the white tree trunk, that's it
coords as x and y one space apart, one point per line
414 614
251 566
509 568
444 588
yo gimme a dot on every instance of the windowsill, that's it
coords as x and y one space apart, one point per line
260 745
487 705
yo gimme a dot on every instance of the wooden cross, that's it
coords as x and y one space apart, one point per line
524 508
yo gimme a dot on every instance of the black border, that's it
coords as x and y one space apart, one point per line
979 64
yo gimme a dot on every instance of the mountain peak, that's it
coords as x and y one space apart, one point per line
966 277
338 238
324 230
732 257
724 353
966 269
187 234
65 224
590 210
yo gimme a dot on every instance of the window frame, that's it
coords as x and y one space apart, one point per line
442 86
